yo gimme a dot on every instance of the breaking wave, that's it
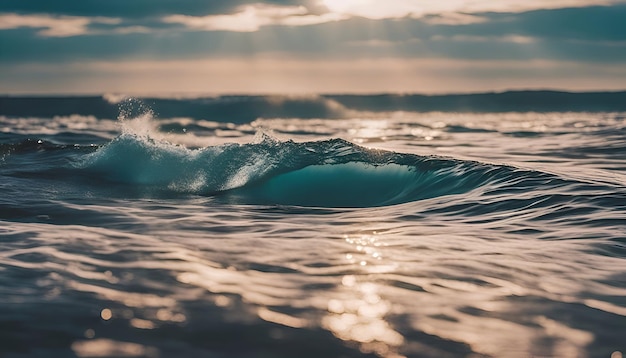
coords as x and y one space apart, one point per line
329 173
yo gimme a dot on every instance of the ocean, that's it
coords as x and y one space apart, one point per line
472 225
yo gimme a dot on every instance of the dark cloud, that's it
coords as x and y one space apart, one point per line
593 34
132 8
598 23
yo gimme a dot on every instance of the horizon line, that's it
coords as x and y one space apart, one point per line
198 94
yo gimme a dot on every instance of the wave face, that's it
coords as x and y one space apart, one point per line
329 173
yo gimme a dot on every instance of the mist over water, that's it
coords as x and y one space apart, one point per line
319 226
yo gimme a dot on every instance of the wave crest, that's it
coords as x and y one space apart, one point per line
330 173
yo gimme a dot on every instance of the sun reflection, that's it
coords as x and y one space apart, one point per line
110 348
360 317
142 323
366 245
368 252
369 130
281 318
358 313
167 315
106 314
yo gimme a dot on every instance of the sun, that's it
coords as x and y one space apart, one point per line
346 6
372 9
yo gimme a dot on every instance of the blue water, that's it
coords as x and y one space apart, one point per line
295 232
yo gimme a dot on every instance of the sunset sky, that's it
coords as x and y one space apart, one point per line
306 46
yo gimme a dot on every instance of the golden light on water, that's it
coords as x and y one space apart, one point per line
106 314
359 316
363 292
357 312
281 318
109 348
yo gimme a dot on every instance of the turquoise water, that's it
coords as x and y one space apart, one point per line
351 233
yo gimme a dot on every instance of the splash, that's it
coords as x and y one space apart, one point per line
137 119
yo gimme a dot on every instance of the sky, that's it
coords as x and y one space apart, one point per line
310 46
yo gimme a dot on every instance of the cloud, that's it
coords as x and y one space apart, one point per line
515 39
50 26
136 9
95 17
252 17
403 54
375 9
596 34
453 18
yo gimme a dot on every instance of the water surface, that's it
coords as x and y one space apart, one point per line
352 233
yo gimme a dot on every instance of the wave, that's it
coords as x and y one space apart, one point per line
329 173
